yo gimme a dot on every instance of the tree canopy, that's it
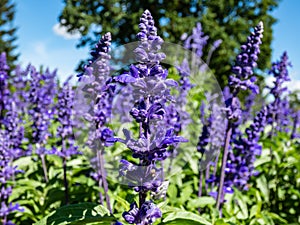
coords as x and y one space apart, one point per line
228 20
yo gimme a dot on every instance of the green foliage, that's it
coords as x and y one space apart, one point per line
8 31
80 214
225 20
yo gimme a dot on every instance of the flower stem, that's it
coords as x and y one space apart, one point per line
200 186
44 167
104 181
100 177
223 167
66 180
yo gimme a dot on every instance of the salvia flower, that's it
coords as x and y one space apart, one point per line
280 106
196 41
245 150
66 122
8 151
246 61
4 91
151 91
242 79
97 84
41 99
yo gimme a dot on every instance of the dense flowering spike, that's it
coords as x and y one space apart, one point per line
4 91
150 90
240 164
197 40
242 80
99 54
41 98
246 61
280 72
279 108
20 81
98 85
10 149
64 117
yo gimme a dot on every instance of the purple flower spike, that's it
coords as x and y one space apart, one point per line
246 61
4 91
150 98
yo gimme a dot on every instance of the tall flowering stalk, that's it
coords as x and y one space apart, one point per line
11 137
3 85
101 89
278 107
65 130
240 164
242 80
151 91
41 99
210 140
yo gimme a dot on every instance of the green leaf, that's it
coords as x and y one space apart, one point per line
172 192
262 185
83 213
201 202
183 217
241 203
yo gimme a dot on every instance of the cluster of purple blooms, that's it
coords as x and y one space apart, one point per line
40 104
279 108
11 137
150 105
151 90
242 79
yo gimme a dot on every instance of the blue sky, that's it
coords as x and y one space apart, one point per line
42 42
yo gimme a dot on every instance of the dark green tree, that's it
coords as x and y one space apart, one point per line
229 20
8 31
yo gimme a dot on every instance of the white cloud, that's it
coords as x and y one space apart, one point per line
294 84
60 30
